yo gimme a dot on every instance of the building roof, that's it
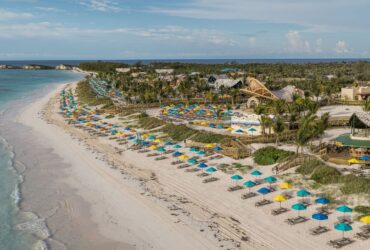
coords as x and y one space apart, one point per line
286 93
347 141
362 119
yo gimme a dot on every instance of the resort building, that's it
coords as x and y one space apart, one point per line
164 71
355 93
123 70
216 81
358 141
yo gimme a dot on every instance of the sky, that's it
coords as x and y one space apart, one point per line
180 29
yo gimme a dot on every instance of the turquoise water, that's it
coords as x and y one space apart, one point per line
18 88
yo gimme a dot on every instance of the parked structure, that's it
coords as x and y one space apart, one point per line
355 93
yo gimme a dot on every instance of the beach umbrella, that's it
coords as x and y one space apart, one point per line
263 191
136 141
285 185
157 141
176 154
183 157
319 217
202 165
192 161
220 127
151 138
168 143
153 147
127 128
280 198
353 161
209 145
322 201
365 219
249 184
177 146
256 173
270 179
236 177
343 228
161 150
217 148
299 207
344 209
145 143
201 153
365 158
303 193
211 170
192 149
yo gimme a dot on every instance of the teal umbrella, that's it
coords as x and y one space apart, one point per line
343 227
256 173
177 146
299 207
344 209
303 193
270 179
211 170
236 177
249 184
192 161
161 150
194 150
201 153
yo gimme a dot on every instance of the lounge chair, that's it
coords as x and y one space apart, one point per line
340 242
319 230
161 158
192 170
235 188
296 220
323 210
183 166
262 203
364 235
345 220
203 175
176 162
248 195
278 211
211 179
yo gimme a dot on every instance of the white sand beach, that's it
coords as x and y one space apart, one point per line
142 204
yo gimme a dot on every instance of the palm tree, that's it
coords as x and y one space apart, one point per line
307 130
278 106
279 127
322 125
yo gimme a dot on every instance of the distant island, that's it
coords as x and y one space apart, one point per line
39 67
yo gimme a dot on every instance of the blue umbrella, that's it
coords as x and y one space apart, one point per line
239 131
365 158
211 170
303 193
322 201
264 191
319 217
217 148
236 177
176 154
168 143
136 141
127 128
343 227
145 143
202 165
256 173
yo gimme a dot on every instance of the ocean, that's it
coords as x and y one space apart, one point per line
19 228
53 63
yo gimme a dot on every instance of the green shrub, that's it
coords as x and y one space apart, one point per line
362 209
178 132
148 122
308 167
326 175
270 155
353 184
207 137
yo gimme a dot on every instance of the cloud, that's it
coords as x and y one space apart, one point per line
49 9
296 43
341 47
11 15
102 5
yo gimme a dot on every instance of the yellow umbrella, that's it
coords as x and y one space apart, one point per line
230 129
365 219
209 145
280 198
145 135
353 161
153 147
157 141
183 157
285 185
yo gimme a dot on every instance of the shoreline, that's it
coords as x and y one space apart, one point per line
178 211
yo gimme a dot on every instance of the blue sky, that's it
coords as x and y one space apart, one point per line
179 29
